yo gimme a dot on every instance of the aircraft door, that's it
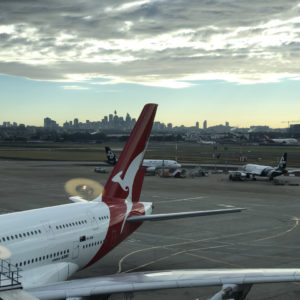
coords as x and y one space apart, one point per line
93 220
48 229
75 252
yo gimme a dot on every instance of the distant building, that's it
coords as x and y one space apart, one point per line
227 124
76 123
197 125
205 124
295 129
50 124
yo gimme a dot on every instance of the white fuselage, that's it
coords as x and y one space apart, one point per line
287 141
153 164
50 244
258 169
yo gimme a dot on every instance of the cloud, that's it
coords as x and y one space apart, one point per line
74 87
157 43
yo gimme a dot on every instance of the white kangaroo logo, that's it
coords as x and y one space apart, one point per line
127 183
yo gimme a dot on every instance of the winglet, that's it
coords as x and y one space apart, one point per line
123 177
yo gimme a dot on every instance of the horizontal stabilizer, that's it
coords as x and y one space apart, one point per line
77 199
160 217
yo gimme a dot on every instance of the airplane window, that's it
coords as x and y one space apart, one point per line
31 232
12 237
7 238
40 258
67 225
76 223
35 232
24 234
24 263
56 227
32 261
36 259
54 254
50 255
43 257
3 239
16 236
20 264
64 251
63 226
40 231
67 250
16 265
47 256
70 224
57 253
73 224
28 261
28 233
20 235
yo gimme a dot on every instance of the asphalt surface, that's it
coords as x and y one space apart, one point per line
266 235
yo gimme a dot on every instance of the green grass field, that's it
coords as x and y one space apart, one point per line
183 152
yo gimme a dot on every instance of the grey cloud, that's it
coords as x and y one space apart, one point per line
91 20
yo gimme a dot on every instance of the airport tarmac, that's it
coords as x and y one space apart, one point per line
266 235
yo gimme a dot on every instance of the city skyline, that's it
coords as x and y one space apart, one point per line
113 118
85 59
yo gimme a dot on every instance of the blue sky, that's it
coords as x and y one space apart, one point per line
87 59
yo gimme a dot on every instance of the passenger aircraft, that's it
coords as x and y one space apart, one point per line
265 171
286 141
200 141
50 244
149 164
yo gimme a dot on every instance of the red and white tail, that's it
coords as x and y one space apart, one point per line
268 138
126 179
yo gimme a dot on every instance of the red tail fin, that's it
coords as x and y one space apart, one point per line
122 183
267 138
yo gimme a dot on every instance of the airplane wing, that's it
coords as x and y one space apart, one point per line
231 280
160 217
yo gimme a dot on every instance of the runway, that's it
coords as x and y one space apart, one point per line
266 235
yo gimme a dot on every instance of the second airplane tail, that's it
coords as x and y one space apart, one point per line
110 155
282 163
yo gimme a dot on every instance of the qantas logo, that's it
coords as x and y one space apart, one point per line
127 182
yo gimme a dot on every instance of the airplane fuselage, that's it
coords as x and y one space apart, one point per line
57 241
153 164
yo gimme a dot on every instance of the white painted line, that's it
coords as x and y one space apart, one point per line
184 199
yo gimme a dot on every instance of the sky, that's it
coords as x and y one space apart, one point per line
214 60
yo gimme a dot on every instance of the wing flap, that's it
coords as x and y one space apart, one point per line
144 281
160 217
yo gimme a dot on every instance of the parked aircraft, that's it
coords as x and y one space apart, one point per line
50 244
286 141
252 170
149 164
200 141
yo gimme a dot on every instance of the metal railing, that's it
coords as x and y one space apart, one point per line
9 275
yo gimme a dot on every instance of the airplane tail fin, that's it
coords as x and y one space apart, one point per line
126 179
268 138
111 157
282 163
